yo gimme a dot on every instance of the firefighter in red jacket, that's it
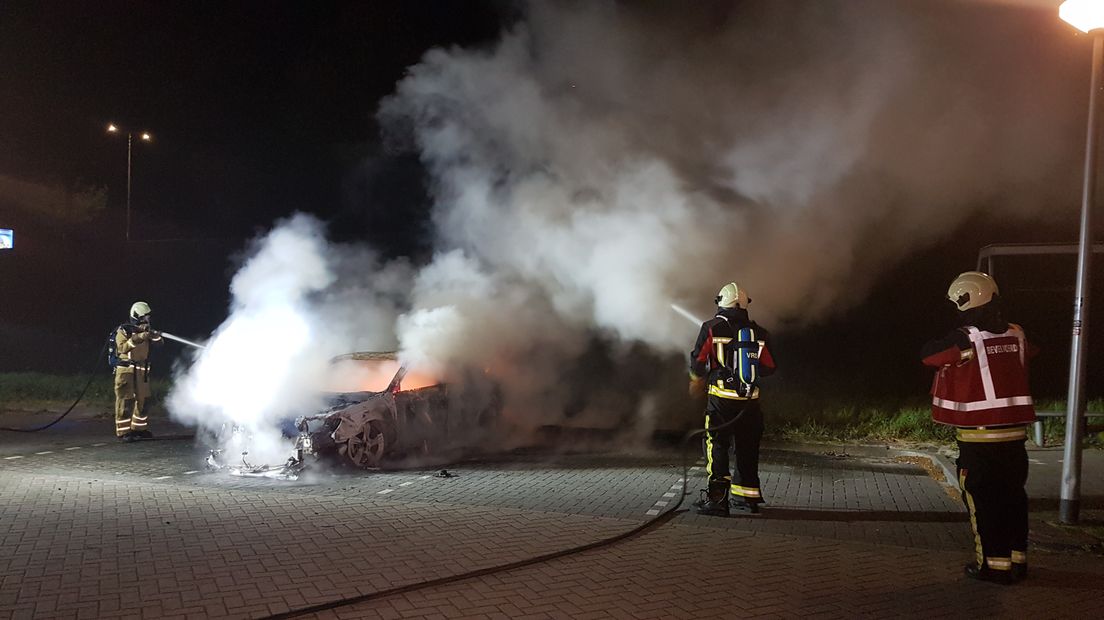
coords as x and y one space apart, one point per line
981 389
731 353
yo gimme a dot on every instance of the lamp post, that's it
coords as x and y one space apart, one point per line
1088 17
144 137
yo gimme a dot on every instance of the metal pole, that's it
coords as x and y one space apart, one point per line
129 136
1070 506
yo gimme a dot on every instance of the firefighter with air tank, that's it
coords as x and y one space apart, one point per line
730 355
981 389
132 373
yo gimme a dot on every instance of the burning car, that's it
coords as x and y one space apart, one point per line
396 414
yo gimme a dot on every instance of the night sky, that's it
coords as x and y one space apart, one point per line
258 110
261 109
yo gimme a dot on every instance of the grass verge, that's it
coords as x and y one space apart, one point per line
800 417
35 390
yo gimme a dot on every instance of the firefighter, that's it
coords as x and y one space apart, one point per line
730 355
981 389
132 348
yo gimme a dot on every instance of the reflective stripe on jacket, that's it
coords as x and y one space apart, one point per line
985 385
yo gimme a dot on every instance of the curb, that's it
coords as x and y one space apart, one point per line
950 475
943 462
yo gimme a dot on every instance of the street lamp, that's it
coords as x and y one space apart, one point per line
144 137
1088 17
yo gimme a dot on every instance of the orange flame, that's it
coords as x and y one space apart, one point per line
351 375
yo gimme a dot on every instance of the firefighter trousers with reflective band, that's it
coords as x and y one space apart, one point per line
992 477
745 433
131 391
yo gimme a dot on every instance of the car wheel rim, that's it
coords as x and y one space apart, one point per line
366 448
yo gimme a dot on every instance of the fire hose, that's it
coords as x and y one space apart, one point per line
647 525
88 384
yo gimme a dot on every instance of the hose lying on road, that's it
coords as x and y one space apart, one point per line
655 521
80 397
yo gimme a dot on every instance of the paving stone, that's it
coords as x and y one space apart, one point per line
120 531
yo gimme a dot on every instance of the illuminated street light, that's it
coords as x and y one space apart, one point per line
1088 17
145 137
1085 15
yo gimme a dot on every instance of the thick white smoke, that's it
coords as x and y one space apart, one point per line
298 302
603 160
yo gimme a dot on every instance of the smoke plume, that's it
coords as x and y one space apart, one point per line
603 160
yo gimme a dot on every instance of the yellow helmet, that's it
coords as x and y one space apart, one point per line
732 295
140 311
972 289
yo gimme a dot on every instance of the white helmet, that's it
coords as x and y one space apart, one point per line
972 289
140 311
732 295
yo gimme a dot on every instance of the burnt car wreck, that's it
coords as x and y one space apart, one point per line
413 419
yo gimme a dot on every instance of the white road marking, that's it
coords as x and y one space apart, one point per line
694 468
74 448
97 445
194 471
424 477
46 452
162 477
654 510
12 458
385 491
406 484
1036 461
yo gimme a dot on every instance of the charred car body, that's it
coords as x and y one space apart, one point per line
414 418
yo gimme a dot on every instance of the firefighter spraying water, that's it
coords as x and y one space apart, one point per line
129 356
729 356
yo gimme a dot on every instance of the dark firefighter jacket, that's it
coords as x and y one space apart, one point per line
716 348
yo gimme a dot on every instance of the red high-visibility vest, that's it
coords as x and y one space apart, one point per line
985 385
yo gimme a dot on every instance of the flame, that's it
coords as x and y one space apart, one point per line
352 375
416 380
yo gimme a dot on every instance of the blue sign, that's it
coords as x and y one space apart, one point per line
7 238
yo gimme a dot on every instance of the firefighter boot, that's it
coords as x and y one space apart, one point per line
714 502
984 573
747 505
1019 571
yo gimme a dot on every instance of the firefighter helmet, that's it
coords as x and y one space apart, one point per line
972 289
140 311
732 295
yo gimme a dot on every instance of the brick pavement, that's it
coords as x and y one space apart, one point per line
844 536
680 571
